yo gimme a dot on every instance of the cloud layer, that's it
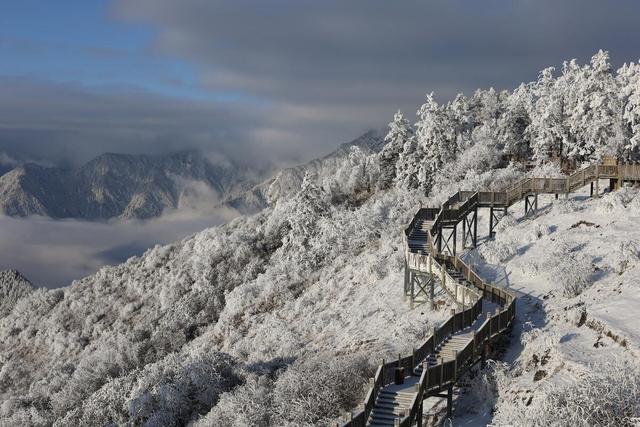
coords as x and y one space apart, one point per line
52 253
332 61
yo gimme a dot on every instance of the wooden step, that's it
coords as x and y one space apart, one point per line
378 422
395 400
392 406
394 396
381 412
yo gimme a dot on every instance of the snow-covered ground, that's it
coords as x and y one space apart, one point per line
576 267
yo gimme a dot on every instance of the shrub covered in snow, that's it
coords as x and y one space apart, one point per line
604 395
13 286
313 392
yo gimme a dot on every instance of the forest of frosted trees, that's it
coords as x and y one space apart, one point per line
576 115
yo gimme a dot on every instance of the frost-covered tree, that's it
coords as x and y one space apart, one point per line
307 207
512 124
490 107
358 175
436 139
596 119
629 80
410 167
400 132
546 129
459 111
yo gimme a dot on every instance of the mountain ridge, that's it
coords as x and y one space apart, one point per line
138 186
289 180
115 185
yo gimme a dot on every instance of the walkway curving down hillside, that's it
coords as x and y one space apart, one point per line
486 312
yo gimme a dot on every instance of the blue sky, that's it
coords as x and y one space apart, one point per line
82 42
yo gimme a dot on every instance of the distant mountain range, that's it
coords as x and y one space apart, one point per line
141 187
118 185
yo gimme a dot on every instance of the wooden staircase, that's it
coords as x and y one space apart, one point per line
390 405
417 239
394 402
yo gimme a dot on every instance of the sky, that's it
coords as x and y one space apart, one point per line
283 80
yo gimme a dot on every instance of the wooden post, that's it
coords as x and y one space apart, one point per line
491 222
412 280
431 280
475 228
453 314
450 401
620 177
464 232
455 232
473 347
425 368
455 366
444 277
455 294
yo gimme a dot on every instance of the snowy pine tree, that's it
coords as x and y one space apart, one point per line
597 119
400 132
513 123
463 123
546 130
629 78
435 138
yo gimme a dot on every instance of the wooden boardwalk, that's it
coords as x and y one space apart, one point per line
486 312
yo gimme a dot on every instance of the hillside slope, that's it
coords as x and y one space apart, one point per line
13 287
289 180
302 284
577 340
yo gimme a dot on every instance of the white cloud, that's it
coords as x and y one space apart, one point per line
52 253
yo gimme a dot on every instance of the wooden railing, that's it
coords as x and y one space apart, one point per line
435 378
